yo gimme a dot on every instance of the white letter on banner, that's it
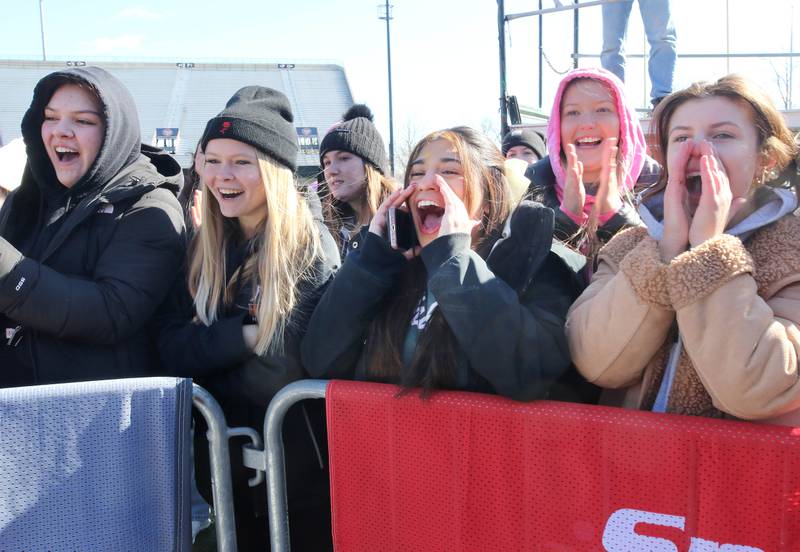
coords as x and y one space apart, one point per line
702 545
620 536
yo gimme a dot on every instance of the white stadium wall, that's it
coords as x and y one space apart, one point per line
185 95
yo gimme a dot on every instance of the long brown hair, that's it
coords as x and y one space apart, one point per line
775 140
434 361
377 188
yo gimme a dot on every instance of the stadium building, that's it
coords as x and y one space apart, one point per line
176 99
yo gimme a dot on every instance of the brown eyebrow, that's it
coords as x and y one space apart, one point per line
609 102
81 111
715 125
442 160
234 156
724 123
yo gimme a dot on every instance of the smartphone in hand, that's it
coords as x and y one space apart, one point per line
402 235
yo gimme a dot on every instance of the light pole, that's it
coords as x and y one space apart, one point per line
385 12
41 25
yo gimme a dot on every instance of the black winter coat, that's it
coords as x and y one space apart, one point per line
507 311
83 270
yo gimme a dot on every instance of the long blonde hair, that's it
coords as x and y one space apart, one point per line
283 252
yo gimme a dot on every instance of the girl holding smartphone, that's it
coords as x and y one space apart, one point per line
479 305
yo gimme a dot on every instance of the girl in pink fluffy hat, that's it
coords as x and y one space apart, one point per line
598 156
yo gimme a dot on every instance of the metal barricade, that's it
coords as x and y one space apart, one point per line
271 459
96 465
221 483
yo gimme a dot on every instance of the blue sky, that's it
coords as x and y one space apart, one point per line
444 58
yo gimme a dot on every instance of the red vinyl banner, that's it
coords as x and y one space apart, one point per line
465 471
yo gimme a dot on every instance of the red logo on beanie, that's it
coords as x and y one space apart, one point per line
225 126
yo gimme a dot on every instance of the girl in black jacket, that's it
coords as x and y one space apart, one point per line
479 306
91 240
355 172
257 266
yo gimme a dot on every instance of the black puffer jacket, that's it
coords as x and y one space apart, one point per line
543 190
83 269
506 311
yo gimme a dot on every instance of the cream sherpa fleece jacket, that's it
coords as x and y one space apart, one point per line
737 306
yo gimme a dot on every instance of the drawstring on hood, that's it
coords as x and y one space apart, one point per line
632 145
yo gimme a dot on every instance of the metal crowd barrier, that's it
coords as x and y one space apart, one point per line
218 435
97 465
221 483
271 459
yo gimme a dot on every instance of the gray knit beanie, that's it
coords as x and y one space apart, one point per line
261 117
358 135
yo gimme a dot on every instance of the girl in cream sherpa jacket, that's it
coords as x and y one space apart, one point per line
698 313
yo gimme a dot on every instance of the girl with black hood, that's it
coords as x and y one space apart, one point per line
90 241
257 266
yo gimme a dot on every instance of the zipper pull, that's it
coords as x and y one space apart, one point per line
13 336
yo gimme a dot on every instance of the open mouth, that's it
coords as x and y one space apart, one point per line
65 155
694 184
588 142
430 216
229 193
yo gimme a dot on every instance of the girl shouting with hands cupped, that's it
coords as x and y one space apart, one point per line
478 305
698 313
598 157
